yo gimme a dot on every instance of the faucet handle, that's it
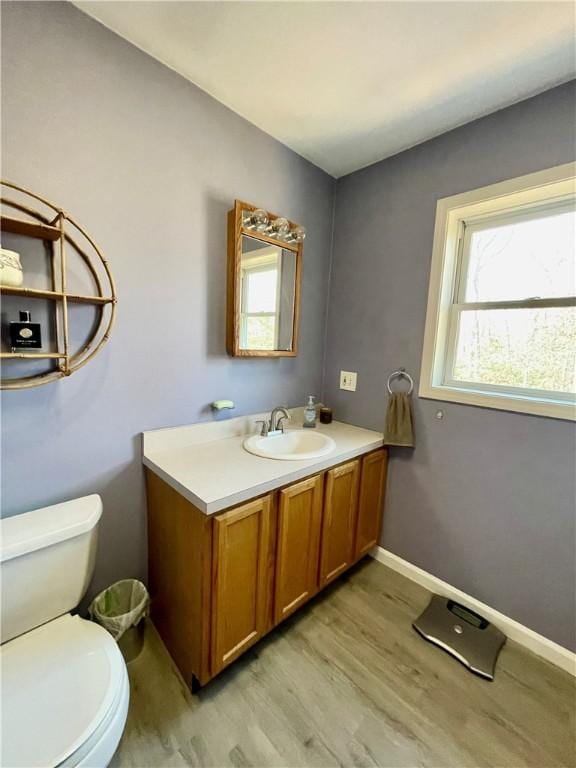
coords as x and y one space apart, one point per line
264 430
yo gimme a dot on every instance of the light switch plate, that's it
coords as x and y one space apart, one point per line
348 380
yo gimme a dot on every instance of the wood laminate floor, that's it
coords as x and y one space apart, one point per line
347 682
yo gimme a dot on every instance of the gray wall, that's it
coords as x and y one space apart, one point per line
150 165
486 500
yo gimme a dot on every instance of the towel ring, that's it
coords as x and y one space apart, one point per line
400 374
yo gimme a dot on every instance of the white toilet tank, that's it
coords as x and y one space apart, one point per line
46 562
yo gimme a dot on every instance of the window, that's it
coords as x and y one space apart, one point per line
501 322
259 315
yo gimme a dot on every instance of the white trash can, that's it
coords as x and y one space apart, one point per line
121 609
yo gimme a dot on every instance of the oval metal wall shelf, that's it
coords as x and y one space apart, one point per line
60 230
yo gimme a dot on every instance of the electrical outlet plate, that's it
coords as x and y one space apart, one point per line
348 380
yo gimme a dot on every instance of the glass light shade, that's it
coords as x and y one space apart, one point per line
298 234
260 219
281 226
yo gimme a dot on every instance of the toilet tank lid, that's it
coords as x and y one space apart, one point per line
43 527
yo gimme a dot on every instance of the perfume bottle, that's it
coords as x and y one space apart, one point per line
25 334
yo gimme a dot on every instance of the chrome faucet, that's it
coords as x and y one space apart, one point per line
276 424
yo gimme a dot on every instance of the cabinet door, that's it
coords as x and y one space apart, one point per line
299 523
372 484
241 550
339 523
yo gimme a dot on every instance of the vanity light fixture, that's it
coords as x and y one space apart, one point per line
279 227
260 220
298 234
257 219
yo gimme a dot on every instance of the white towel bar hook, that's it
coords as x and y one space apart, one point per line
400 374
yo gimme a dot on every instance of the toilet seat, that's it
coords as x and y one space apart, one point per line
101 745
65 695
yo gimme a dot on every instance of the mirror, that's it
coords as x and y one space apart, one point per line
263 288
268 285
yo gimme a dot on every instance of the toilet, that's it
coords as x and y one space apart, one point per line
65 689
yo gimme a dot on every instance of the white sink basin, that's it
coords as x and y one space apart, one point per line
293 445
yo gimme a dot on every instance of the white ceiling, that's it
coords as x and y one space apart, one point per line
348 83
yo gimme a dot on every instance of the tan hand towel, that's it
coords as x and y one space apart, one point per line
399 430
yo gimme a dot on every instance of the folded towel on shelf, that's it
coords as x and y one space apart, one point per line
399 429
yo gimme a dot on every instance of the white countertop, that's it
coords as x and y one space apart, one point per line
207 464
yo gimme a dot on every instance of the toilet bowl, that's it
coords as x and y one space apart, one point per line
65 688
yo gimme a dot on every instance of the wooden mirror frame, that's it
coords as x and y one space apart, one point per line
235 232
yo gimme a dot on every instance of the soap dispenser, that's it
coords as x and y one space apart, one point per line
310 413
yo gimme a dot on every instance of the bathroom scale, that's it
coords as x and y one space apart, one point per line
466 635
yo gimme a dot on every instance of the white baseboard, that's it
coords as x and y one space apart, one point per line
515 631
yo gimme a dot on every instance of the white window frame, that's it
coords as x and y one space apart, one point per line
454 215
250 270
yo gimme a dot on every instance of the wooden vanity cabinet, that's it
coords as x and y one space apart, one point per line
339 522
180 577
370 502
219 583
298 545
241 555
